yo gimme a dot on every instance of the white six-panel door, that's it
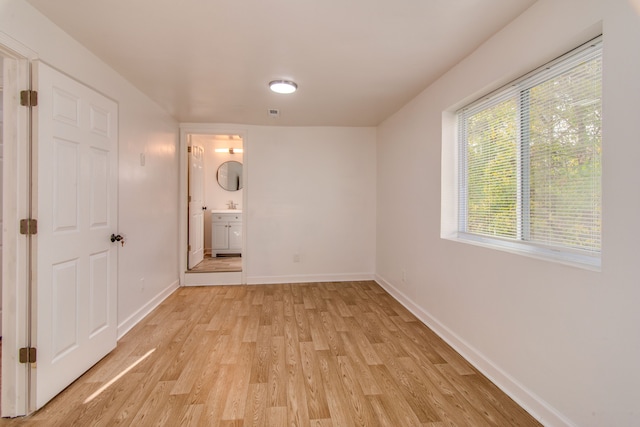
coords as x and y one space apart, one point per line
76 208
196 203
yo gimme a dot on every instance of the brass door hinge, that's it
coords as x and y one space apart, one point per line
28 355
28 98
189 149
28 226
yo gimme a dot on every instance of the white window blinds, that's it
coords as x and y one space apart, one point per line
531 157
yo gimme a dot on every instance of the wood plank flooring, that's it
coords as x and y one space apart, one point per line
320 354
223 263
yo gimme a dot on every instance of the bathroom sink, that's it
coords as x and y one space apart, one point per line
226 211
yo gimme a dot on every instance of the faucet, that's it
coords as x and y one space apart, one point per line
231 205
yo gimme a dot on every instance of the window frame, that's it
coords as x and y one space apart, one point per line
520 245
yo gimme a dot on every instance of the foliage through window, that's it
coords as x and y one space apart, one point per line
530 158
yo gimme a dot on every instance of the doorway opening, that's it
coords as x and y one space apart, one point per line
215 189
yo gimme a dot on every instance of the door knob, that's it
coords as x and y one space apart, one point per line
117 238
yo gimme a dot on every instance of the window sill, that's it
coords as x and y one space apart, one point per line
566 257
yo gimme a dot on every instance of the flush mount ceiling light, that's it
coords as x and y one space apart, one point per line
283 86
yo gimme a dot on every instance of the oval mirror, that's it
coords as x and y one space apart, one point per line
229 175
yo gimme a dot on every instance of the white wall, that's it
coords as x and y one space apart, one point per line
148 215
565 342
1 174
311 193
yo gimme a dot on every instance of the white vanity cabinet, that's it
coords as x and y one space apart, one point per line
226 233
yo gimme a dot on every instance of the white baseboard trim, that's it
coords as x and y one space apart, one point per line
536 406
136 317
310 278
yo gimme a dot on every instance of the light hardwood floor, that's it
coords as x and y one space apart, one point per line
321 354
224 263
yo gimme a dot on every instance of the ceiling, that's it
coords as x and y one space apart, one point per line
356 62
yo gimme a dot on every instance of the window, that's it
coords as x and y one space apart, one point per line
530 162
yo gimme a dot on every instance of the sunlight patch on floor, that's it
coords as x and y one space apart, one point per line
117 377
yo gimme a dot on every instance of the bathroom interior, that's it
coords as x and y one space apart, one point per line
215 181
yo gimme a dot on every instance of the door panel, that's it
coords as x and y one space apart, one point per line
235 236
64 185
64 316
76 207
220 235
98 292
99 193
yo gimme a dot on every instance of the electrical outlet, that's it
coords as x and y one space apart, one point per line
296 257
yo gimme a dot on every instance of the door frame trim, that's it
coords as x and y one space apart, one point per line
16 378
187 129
